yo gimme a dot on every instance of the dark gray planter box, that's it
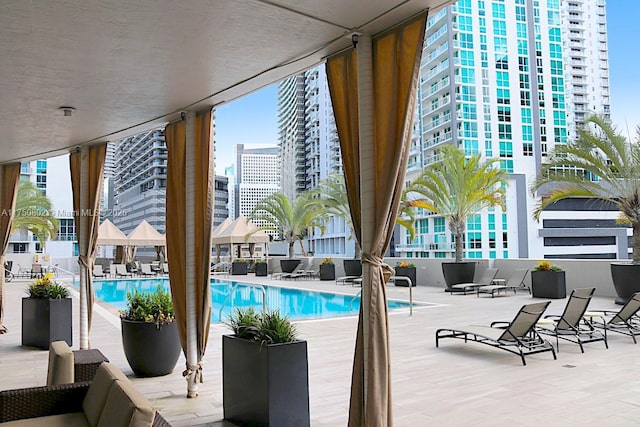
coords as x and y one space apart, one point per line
261 269
239 268
265 384
458 272
409 272
288 265
45 321
150 351
327 272
548 284
352 267
625 280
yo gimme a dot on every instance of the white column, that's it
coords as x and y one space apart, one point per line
82 247
192 326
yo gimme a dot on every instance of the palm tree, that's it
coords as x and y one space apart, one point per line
291 220
33 212
457 187
601 165
331 194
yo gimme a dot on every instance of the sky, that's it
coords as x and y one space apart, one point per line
252 119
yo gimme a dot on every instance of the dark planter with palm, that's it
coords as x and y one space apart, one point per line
261 268
265 372
456 187
599 151
46 314
352 267
289 265
149 333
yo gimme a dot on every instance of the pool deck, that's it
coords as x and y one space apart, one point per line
454 385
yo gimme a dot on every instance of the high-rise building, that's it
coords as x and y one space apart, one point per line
510 80
140 178
257 176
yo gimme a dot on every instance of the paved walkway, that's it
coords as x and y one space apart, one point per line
455 385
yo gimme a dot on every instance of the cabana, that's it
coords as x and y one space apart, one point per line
110 235
241 231
145 235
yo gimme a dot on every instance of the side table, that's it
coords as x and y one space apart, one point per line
85 364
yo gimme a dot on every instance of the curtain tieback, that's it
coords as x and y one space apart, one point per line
83 261
376 261
196 370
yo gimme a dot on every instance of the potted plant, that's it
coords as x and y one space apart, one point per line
607 168
456 187
261 267
548 281
406 269
46 313
327 269
265 377
149 333
239 267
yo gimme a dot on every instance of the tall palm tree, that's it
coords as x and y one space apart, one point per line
457 187
33 212
600 164
292 220
331 194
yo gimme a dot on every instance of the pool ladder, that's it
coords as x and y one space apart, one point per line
233 290
401 278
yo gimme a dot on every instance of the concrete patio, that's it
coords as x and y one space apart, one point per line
457 384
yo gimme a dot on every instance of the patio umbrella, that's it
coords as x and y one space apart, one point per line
9 177
373 90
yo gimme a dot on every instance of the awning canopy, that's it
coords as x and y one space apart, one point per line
145 235
238 232
109 234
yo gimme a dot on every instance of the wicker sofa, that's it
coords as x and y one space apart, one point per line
109 400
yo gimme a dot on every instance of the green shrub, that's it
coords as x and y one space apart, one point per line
151 307
266 328
47 288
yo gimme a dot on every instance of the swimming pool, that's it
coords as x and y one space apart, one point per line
295 303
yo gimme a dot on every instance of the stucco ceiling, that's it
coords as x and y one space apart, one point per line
127 66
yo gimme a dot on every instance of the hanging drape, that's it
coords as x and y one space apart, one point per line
373 90
189 220
10 175
87 168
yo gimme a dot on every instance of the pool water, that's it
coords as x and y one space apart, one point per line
295 303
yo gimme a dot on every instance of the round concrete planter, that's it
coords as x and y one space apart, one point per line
625 280
151 352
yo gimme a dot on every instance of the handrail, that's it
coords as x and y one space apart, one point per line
401 278
57 267
251 285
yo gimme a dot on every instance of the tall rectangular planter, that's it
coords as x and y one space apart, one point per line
327 272
261 269
409 272
265 384
239 268
548 284
45 321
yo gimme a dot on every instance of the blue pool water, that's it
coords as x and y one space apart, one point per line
295 303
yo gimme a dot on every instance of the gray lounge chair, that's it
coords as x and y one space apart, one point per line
625 321
571 325
514 282
98 272
485 280
121 271
145 270
518 336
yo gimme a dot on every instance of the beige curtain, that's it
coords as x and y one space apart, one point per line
10 175
375 124
190 223
87 168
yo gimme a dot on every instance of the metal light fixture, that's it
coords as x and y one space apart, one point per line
68 111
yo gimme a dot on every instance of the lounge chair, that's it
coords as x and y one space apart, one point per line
514 282
351 280
295 274
572 325
121 271
518 336
36 271
625 321
97 271
145 270
485 280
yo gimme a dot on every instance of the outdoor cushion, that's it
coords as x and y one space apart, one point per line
98 391
126 406
72 419
60 364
